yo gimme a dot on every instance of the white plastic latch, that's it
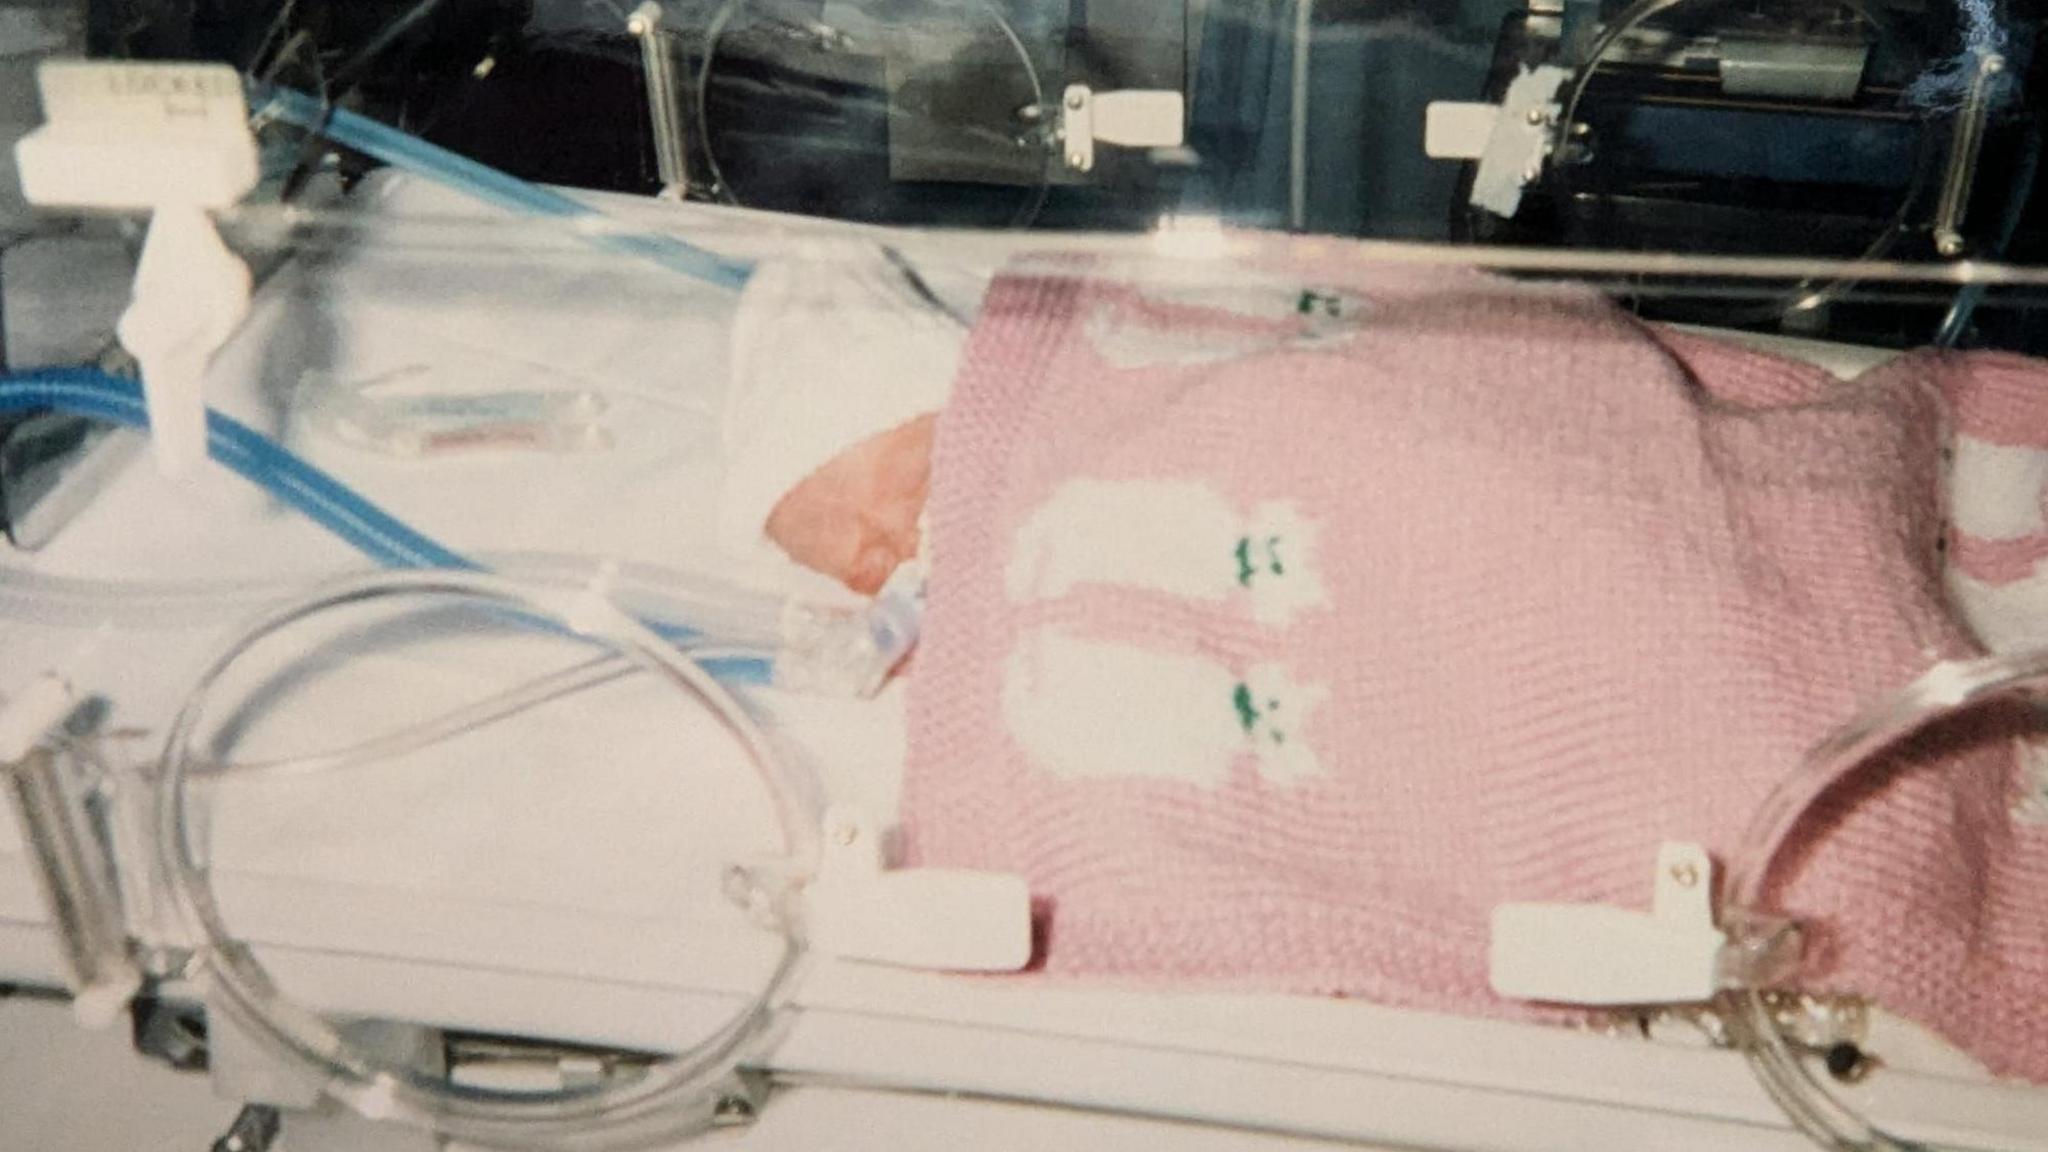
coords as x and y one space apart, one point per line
1138 118
1593 954
172 139
1511 140
932 918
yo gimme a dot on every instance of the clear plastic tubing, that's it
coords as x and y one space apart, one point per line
1943 691
673 1097
327 501
734 615
408 152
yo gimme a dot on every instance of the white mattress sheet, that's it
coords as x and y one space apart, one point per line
560 878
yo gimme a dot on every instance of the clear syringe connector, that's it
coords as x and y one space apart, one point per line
851 651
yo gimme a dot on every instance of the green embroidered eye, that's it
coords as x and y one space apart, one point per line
1248 568
1311 301
1247 712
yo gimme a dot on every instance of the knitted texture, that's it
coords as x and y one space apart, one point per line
2001 401
1277 634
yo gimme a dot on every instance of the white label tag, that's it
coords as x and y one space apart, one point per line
134 136
143 96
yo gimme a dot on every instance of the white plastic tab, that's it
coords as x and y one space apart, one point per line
1457 130
1519 141
1138 118
1592 954
174 139
943 919
1684 891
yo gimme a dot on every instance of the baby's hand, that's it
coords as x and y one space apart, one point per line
855 519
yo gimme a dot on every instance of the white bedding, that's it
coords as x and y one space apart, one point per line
560 878
561 846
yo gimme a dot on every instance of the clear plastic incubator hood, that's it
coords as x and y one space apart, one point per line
1459 576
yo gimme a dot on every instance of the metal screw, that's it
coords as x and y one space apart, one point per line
1535 115
1078 162
1949 244
1685 875
1076 100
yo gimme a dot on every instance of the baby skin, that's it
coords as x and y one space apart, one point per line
856 518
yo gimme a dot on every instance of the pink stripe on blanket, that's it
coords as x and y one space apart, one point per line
1997 562
1277 660
2002 400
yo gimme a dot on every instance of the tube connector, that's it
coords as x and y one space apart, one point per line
851 652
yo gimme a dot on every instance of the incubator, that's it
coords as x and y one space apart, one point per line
593 576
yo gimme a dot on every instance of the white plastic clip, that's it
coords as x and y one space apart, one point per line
1593 954
172 139
1511 140
932 918
1140 118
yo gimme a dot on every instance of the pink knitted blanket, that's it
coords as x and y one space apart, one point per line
1277 634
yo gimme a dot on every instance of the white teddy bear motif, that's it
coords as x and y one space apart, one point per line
1087 709
1273 711
1178 537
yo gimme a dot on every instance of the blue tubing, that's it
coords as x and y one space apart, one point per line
409 152
369 529
320 497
